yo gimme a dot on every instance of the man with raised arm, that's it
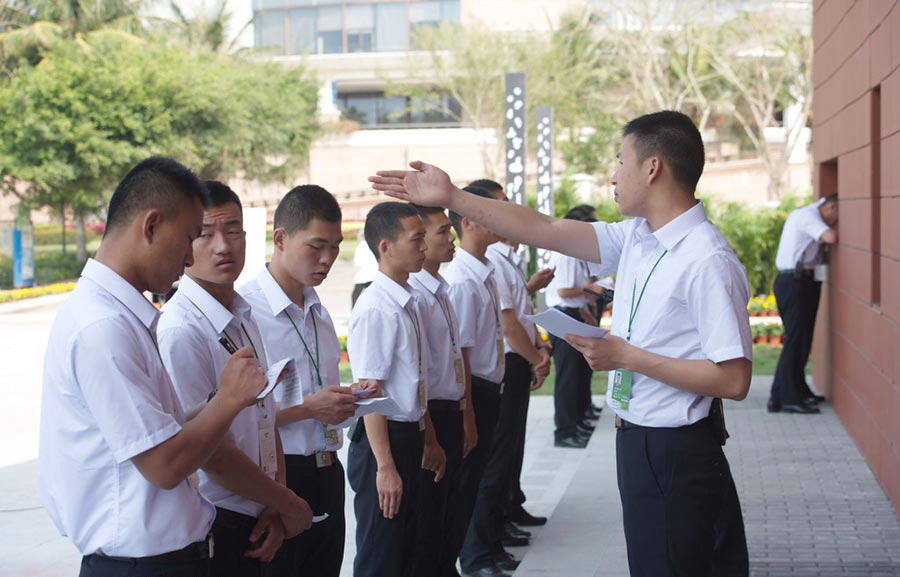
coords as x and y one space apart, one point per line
680 339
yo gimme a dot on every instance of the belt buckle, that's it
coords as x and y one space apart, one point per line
323 459
618 422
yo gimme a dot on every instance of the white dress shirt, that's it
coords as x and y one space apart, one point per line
107 398
473 292
512 286
694 307
800 237
445 378
277 316
570 273
387 341
189 330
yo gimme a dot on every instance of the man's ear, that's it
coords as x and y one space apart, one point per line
654 166
278 238
150 224
383 246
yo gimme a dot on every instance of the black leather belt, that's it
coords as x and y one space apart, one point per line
623 424
193 552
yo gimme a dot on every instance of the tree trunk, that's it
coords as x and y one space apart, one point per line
80 237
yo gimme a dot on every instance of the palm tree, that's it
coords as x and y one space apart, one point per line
206 29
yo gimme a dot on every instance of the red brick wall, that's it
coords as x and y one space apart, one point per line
856 148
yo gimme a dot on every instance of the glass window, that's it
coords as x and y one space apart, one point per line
330 34
425 13
360 108
302 30
392 110
391 30
360 28
269 29
375 110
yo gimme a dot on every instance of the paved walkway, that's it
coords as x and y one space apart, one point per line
811 504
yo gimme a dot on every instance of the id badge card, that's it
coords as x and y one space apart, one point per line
421 391
323 459
268 459
621 393
501 356
331 435
460 372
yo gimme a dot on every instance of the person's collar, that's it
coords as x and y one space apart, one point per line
398 293
482 270
214 311
502 249
675 230
122 290
278 299
431 282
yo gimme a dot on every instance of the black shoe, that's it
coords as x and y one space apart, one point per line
506 562
773 406
814 399
595 408
489 571
508 540
584 430
571 442
592 414
510 528
523 518
802 409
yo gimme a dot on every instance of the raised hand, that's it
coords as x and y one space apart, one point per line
426 184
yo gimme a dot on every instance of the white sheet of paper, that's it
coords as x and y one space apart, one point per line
319 518
290 379
560 324
381 405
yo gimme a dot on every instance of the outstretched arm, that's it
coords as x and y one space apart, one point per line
430 186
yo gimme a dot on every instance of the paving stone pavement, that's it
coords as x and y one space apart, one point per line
811 504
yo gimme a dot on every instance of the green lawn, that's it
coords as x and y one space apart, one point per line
765 358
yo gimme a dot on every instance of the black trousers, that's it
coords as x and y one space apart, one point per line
231 531
573 378
486 404
384 546
432 499
798 302
485 529
99 566
680 506
357 290
320 549
515 496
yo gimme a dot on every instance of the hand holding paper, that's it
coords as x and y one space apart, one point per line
560 324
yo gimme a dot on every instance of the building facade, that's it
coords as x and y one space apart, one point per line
856 150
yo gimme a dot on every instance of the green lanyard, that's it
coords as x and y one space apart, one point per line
415 323
447 316
249 340
314 361
634 306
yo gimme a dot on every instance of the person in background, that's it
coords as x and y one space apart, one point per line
807 231
365 266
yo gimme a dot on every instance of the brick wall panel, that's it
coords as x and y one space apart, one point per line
854 271
851 32
854 224
880 57
854 175
854 129
890 151
893 21
878 10
890 93
823 141
855 75
890 229
890 288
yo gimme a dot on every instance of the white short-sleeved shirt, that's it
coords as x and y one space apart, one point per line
570 273
189 330
694 307
512 286
440 322
277 316
387 341
473 292
800 237
107 398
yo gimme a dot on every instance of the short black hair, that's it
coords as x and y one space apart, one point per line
426 211
487 184
673 136
303 204
383 223
833 197
157 182
584 212
456 219
221 194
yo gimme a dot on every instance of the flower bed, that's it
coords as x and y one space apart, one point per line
772 333
37 291
763 306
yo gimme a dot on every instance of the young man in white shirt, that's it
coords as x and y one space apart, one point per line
527 362
388 348
244 479
476 299
680 339
117 452
448 385
806 232
307 237
566 292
